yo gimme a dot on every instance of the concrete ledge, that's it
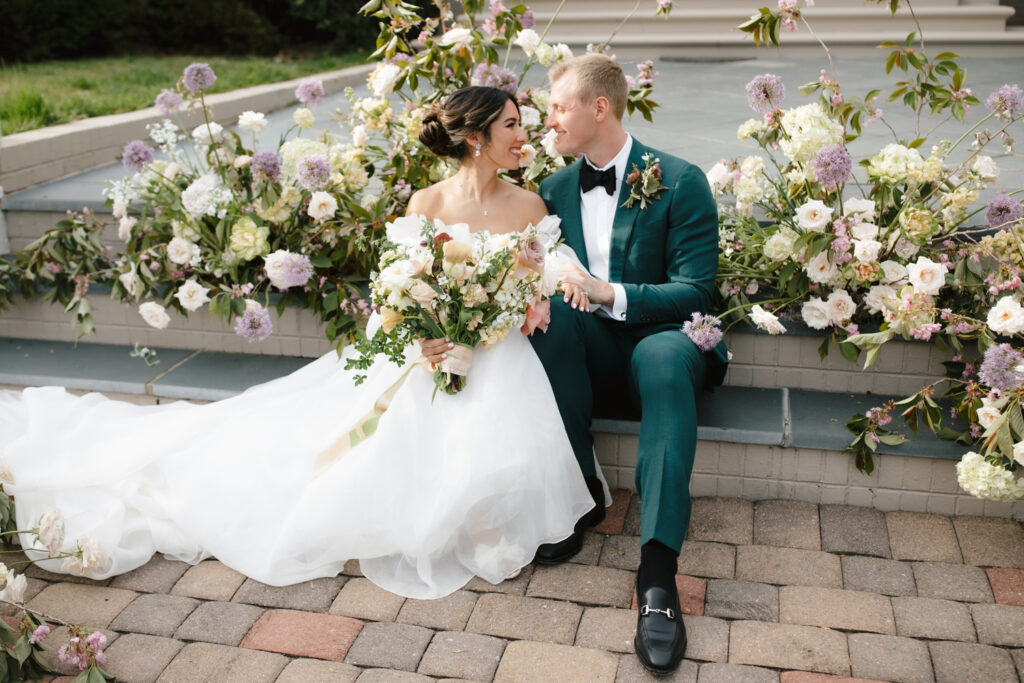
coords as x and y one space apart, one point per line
38 156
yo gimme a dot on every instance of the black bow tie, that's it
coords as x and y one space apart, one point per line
590 178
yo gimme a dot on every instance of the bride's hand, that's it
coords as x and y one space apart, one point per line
576 296
597 291
435 350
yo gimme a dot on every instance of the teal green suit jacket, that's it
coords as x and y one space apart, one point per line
665 256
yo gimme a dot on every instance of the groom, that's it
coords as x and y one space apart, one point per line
649 270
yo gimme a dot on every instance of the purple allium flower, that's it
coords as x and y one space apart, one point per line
527 19
255 323
136 155
999 367
39 634
313 171
765 93
310 91
494 76
832 166
704 331
168 102
1002 211
266 166
287 269
1008 99
199 76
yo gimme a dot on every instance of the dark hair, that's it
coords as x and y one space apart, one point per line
466 111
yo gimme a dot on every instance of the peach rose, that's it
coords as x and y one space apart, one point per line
531 255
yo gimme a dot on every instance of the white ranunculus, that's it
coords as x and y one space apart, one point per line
208 133
816 314
192 295
252 121
528 40
457 38
130 282
877 296
779 246
527 155
820 269
985 167
529 117
179 250
322 206
855 205
841 306
359 136
766 321
719 177
124 227
814 215
864 231
51 532
1006 317
894 272
382 80
866 250
926 276
154 314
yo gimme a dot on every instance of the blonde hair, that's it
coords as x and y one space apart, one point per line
597 75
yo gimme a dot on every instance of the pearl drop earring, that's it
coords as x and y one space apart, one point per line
477 150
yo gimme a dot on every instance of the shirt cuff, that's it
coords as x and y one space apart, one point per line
618 309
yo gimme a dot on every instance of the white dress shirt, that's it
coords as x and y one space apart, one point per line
597 209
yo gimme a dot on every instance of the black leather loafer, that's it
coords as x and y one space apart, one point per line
560 551
660 635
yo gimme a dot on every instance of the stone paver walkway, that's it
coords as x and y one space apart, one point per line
772 591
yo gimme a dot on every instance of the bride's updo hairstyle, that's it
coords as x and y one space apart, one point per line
466 111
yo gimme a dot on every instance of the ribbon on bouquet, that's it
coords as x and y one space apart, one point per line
365 426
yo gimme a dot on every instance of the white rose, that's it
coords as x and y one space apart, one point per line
252 121
814 215
51 532
750 128
719 177
208 133
864 231
124 227
877 296
528 40
179 250
820 269
840 306
382 80
1006 317
130 281
192 295
926 276
322 206
894 272
359 136
855 205
985 167
905 248
457 38
816 314
154 314
529 117
989 412
527 155
780 245
766 321
866 250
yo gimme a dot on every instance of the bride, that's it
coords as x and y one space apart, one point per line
447 488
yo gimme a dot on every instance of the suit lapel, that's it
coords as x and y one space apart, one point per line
568 202
625 218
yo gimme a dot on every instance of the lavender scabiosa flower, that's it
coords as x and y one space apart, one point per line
168 102
832 166
703 330
1006 101
494 76
266 166
1001 367
255 323
310 91
765 93
1002 211
136 155
199 76
313 171
527 19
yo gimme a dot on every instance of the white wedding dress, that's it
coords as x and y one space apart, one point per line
449 487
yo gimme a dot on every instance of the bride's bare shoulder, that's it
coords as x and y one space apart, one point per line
529 204
427 202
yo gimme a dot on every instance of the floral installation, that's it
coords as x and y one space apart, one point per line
645 184
883 247
437 281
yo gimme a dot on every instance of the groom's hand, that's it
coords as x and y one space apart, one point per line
597 291
435 350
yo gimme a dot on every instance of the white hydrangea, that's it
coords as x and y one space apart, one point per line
752 185
809 128
895 163
382 79
206 196
982 479
750 128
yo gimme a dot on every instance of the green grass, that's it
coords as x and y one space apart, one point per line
48 93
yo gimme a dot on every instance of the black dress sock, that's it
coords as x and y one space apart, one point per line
657 567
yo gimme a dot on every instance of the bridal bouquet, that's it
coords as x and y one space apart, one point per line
437 281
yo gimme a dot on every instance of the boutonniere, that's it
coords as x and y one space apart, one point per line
645 184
